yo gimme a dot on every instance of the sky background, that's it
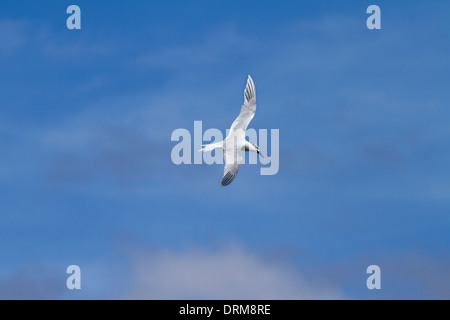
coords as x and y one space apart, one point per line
86 176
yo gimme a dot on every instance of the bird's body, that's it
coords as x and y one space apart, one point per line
235 142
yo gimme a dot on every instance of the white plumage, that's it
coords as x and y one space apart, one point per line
235 142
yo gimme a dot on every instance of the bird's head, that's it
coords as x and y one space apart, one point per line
257 150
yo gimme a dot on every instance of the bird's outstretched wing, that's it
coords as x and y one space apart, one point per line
233 161
248 108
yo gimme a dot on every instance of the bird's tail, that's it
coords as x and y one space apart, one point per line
212 146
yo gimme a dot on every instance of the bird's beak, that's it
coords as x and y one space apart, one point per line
261 154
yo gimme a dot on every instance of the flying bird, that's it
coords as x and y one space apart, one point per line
235 142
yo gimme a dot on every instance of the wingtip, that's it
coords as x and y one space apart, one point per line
249 92
227 179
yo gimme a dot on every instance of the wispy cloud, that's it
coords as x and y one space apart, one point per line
406 275
228 273
26 284
216 48
122 153
12 36
39 38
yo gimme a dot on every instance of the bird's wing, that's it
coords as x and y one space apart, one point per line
248 108
232 164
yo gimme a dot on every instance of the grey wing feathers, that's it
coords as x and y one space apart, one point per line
232 153
229 176
248 108
249 92
233 161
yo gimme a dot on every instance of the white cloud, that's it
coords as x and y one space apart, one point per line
229 273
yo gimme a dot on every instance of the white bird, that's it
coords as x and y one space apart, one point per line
235 142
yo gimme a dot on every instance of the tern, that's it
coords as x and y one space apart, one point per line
235 142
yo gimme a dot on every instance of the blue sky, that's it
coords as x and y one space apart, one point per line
86 176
